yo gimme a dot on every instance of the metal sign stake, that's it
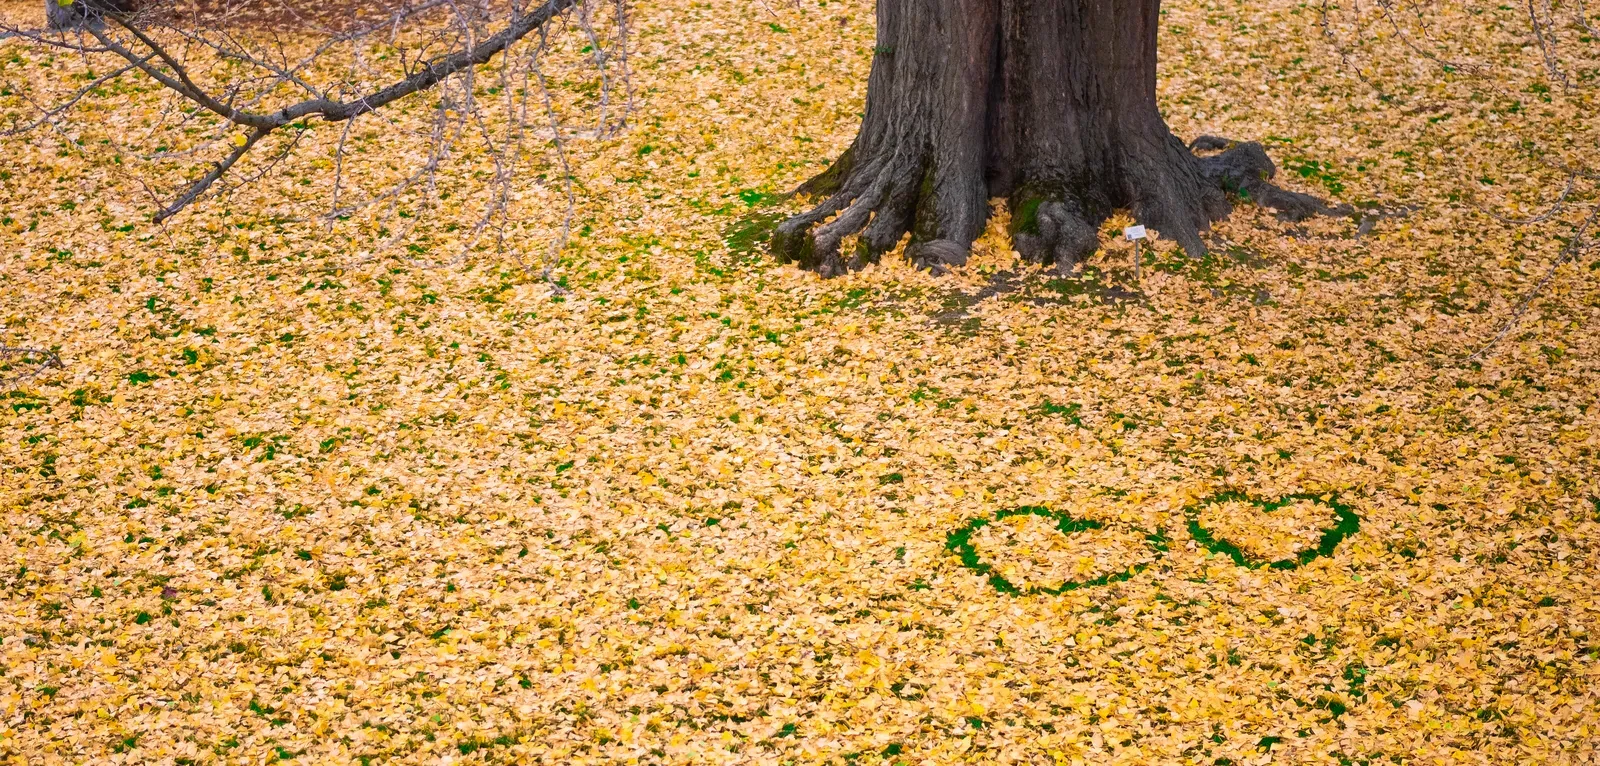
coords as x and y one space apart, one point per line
1134 234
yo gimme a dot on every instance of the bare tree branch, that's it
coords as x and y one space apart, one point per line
1574 246
56 111
199 187
41 359
429 74
1583 19
248 82
174 75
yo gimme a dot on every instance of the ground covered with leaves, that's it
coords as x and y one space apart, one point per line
287 500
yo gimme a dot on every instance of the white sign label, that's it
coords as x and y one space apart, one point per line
1133 232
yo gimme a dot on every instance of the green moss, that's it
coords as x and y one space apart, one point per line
926 226
1089 281
1026 218
828 181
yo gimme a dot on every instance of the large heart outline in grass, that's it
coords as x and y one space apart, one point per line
1348 524
960 541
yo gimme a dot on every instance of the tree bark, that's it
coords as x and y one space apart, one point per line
1051 103
79 13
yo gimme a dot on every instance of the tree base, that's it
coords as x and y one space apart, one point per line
1052 229
1051 105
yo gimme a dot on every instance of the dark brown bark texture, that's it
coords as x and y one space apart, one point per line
80 12
1051 103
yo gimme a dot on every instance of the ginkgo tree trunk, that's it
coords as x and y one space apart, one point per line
1051 103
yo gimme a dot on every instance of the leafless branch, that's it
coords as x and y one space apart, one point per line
65 106
566 178
40 359
1583 19
1575 245
428 74
1555 207
163 48
1547 40
199 187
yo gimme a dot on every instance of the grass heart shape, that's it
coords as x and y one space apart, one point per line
962 544
1348 523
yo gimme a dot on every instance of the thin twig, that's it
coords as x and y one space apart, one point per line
59 109
1583 19
1574 246
560 241
227 78
199 187
1555 207
51 360
1546 47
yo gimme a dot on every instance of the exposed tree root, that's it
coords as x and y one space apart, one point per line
1050 105
1176 191
877 200
1056 231
1245 169
873 200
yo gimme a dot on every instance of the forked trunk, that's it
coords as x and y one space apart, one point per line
1051 103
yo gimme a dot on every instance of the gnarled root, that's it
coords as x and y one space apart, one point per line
881 199
874 200
938 255
1172 194
1174 190
1054 232
1160 180
1245 168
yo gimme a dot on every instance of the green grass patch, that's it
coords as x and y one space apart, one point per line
752 232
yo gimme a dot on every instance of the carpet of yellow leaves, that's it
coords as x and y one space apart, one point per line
290 501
